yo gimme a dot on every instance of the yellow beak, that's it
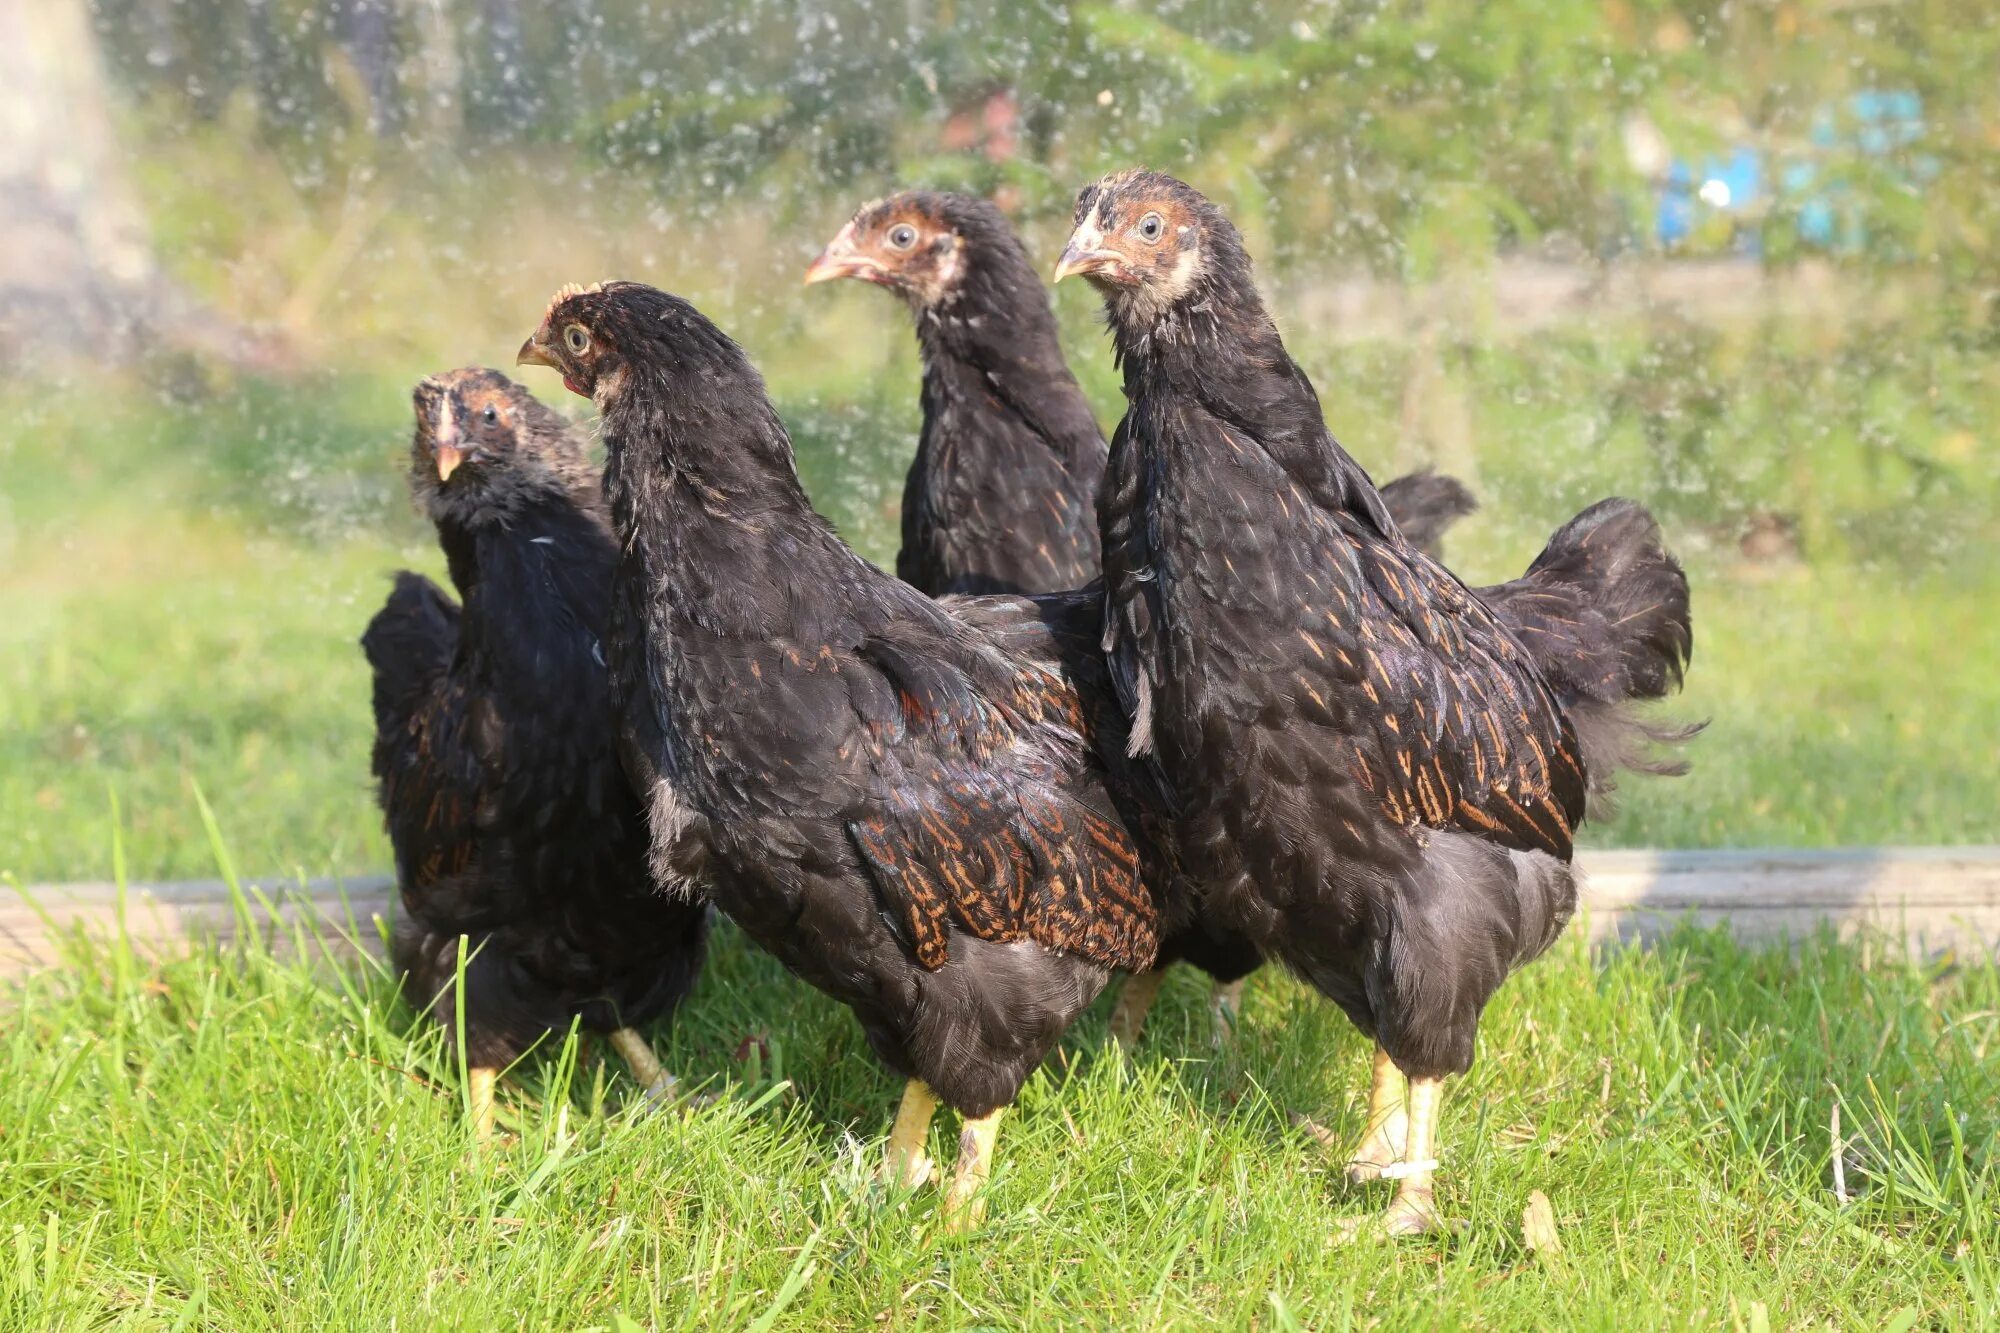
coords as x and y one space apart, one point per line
839 260
1079 260
448 459
830 266
533 353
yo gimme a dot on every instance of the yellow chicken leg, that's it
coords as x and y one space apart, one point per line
1388 1131
1135 1001
904 1165
964 1204
1225 1007
653 1078
1413 1212
482 1080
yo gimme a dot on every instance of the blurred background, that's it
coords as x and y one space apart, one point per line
1741 261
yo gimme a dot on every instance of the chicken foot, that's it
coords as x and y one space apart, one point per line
964 1202
637 1053
1135 1001
1413 1212
1225 1008
481 1081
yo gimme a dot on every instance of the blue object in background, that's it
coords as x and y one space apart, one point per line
1873 124
1731 185
1876 124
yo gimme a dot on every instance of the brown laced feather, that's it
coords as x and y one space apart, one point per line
961 846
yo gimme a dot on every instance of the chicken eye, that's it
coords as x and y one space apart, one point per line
903 237
578 338
490 416
1152 227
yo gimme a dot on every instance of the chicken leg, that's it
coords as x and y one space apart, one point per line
1135 1001
964 1206
1413 1212
1225 1008
904 1165
481 1080
1388 1131
659 1086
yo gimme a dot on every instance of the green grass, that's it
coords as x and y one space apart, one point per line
229 1140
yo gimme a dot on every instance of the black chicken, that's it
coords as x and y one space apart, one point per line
1002 494
904 800
1376 778
496 752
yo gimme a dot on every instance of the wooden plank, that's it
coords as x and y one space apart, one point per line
1932 897
163 917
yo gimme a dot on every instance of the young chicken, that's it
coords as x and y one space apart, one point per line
906 801
495 750
1002 494
1376 778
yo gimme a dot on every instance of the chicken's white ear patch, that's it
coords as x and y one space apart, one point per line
1186 264
950 265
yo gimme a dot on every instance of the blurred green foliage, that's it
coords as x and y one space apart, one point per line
1339 132
407 181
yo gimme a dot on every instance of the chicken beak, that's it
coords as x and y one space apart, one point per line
445 449
1079 260
830 266
533 353
839 260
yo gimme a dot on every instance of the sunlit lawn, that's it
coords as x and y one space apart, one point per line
227 1142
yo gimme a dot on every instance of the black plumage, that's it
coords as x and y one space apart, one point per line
907 801
1377 780
1424 505
495 752
1002 493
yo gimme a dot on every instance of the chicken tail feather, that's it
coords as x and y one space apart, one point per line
1604 611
